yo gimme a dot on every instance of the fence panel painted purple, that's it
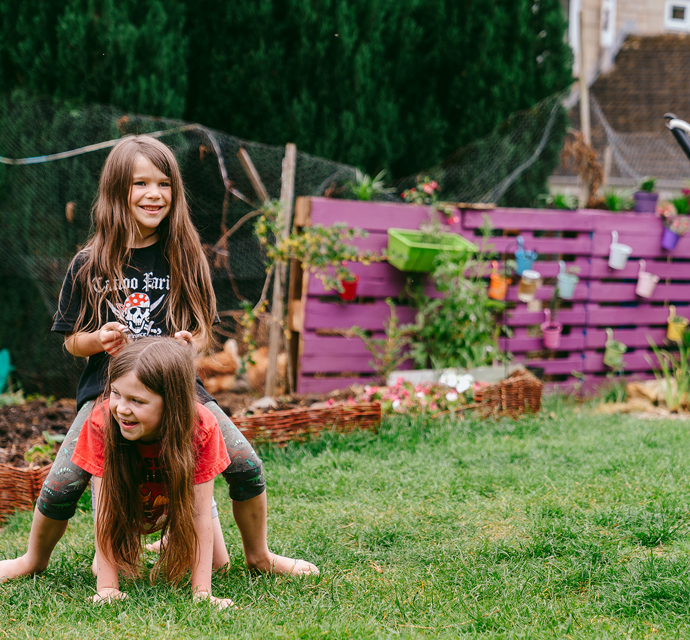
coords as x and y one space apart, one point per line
643 245
603 298
596 338
340 315
600 270
638 360
521 317
525 344
580 246
370 216
528 220
641 315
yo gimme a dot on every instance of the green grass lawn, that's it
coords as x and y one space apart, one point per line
570 524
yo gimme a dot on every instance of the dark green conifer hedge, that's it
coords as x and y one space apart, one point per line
398 84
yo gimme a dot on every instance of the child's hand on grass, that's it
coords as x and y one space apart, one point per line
221 603
108 594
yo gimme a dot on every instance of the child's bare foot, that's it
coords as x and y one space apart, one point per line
281 565
16 568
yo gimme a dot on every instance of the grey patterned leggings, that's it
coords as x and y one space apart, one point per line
66 481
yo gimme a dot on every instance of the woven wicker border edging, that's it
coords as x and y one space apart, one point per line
518 394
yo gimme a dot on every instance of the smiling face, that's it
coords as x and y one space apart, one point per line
150 198
136 409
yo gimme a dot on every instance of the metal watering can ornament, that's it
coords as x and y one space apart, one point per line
524 259
646 282
529 283
551 331
675 325
618 253
566 282
613 356
498 284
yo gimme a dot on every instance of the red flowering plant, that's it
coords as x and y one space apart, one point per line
426 194
672 220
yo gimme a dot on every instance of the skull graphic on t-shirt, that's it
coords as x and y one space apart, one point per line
135 312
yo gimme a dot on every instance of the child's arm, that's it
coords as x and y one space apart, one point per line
108 338
201 567
107 581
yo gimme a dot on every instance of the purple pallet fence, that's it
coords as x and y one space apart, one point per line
603 298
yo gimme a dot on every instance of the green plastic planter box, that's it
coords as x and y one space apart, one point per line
407 252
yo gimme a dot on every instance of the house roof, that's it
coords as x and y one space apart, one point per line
650 77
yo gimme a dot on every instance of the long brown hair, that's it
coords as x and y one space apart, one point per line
192 302
165 367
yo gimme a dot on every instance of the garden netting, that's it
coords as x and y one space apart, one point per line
49 178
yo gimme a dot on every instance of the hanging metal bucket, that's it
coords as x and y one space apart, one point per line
551 331
566 283
618 253
613 356
675 325
646 282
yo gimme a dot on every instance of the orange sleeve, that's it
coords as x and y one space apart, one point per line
88 454
212 455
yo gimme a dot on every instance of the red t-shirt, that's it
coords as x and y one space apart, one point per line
211 459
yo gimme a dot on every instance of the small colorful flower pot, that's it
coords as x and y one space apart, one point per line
529 283
646 282
349 291
669 239
566 283
551 331
410 250
613 356
675 326
498 286
618 253
645 202
524 258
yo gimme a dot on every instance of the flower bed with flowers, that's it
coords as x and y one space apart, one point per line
424 398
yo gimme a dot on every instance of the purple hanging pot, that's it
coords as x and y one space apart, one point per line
669 239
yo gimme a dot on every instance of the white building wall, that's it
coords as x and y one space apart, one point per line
606 23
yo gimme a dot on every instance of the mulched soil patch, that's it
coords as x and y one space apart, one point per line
22 426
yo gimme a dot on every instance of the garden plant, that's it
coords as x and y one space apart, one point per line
460 328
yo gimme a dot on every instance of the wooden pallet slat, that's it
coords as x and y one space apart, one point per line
528 220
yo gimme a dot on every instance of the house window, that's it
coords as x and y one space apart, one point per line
677 15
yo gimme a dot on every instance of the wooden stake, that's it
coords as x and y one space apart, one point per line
608 160
287 195
253 175
584 108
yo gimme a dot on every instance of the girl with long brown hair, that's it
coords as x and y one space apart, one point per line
142 273
153 453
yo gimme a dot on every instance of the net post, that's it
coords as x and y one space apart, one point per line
287 193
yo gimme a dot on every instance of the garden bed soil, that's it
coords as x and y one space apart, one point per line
22 426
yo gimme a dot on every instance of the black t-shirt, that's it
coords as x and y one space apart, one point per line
143 311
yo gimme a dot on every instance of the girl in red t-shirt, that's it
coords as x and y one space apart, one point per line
153 452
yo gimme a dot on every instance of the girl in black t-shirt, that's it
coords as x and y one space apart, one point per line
143 272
